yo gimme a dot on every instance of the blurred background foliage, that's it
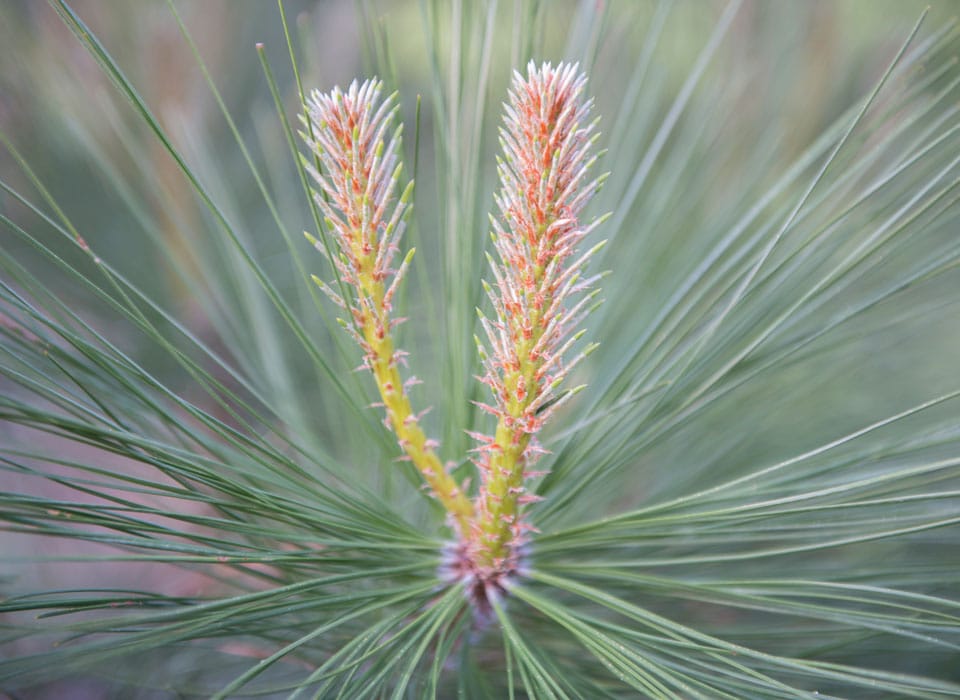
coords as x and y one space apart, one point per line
793 67
805 63
781 78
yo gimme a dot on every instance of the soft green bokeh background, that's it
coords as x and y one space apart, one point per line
811 59
785 72
794 68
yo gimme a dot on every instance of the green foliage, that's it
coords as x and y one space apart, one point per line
758 494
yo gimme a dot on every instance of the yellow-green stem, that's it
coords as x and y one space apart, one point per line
507 461
410 436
